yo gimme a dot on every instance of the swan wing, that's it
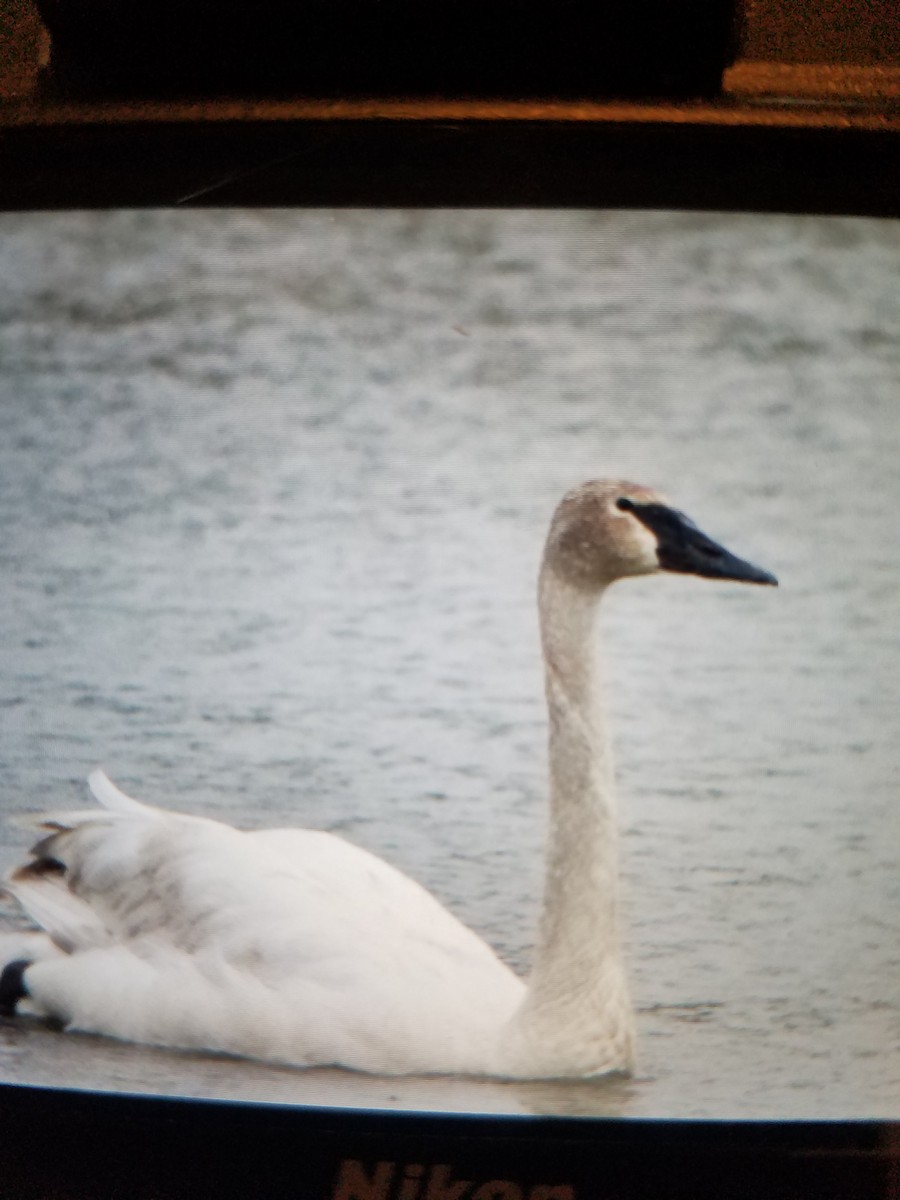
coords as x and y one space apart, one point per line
279 894
287 944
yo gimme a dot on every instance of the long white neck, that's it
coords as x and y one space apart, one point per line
577 1009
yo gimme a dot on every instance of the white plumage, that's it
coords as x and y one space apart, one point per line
297 947
291 945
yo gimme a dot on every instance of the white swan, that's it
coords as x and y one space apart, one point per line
297 947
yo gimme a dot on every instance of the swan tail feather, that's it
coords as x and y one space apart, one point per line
47 886
112 797
40 887
114 802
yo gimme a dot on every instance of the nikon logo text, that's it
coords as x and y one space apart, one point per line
416 1181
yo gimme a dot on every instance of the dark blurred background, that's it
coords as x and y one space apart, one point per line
653 47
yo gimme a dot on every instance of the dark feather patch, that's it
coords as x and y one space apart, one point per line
38 868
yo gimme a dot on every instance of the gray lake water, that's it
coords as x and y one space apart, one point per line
274 487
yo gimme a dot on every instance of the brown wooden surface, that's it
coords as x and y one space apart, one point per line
782 136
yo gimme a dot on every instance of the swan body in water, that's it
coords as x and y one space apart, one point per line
297 947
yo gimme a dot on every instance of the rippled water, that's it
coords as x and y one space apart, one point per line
274 487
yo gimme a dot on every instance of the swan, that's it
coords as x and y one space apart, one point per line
296 947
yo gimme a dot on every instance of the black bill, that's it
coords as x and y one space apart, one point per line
682 547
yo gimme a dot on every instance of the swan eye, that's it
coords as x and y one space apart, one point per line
625 504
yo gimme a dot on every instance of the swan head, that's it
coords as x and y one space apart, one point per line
610 529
